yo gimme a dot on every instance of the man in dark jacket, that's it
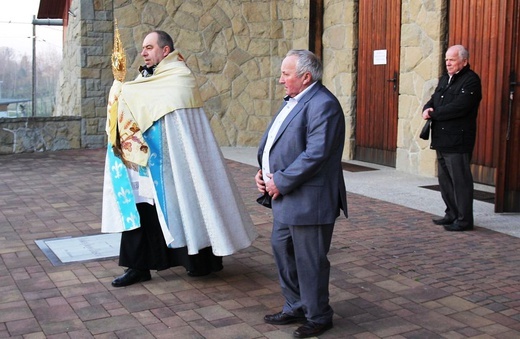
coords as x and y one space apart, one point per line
453 112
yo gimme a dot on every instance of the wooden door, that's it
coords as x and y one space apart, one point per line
508 176
489 29
377 81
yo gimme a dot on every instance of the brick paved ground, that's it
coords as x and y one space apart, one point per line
394 275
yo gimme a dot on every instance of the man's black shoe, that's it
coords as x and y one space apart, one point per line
456 227
282 319
310 329
130 277
442 221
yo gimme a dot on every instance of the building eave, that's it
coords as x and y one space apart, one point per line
52 9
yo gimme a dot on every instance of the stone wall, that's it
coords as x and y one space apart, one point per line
234 48
339 39
38 134
423 38
86 76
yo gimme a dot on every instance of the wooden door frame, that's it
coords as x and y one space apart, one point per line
316 9
509 91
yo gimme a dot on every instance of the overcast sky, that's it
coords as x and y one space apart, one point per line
16 28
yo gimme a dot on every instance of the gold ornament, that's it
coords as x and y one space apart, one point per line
118 56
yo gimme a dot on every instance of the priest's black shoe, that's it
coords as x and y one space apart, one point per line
281 318
198 273
442 221
130 277
456 227
310 329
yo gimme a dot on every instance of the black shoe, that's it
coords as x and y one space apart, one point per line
456 227
310 329
196 273
130 277
442 221
281 318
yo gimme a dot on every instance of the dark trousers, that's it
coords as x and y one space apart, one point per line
456 185
145 248
300 253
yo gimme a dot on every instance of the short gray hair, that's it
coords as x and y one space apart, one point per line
307 62
463 52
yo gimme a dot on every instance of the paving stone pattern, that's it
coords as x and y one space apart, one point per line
394 273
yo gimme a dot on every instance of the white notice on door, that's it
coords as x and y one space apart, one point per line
380 57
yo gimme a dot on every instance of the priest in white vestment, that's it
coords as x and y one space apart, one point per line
167 187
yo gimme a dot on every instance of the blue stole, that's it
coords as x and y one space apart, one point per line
153 137
121 181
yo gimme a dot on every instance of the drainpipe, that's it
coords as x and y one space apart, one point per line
47 22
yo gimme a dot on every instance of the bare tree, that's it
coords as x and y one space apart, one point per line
16 77
48 69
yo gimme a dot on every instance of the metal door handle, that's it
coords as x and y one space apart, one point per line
394 80
512 84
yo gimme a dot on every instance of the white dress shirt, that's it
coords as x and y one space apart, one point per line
275 127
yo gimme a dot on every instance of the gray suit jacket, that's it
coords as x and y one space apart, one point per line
305 160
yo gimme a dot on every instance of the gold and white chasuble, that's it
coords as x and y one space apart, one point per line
165 134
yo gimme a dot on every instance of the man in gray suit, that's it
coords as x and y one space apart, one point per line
300 160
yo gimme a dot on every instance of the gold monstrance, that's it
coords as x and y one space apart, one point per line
118 57
118 60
